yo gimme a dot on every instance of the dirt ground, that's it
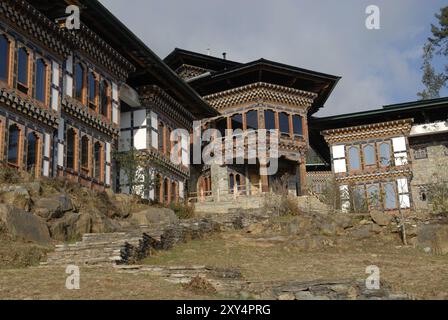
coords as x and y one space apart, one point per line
406 270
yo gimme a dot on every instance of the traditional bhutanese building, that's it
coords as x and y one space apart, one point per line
258 95
387 158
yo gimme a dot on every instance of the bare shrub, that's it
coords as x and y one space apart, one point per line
279 201
183 210
200 285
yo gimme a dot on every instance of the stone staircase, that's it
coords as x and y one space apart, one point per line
229 204
130 246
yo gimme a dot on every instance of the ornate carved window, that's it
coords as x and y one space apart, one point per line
385 154
373 192
420 153
32 152
92 85
41 80
4 58
369 155
269 118
14 144
161 133
79 82
354 159
104 98
97 161
297 124
252 119
71 149
283 120
22 70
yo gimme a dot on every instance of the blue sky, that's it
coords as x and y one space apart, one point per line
377 66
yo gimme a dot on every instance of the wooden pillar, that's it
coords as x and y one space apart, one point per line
264 178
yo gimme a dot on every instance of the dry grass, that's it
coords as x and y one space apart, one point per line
406 269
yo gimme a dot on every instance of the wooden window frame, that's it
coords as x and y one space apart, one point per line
82 99
93 103
19 162
37 169
19 84
365 165
47 80
380 164
418 151
9 61
108 99
245 119
348 158
101 161
85 170
75 149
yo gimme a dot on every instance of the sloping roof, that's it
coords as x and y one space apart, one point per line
179 57
150 69
263 70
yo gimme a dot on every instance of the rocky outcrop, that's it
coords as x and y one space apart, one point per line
53 207
155 215
381 218
24 225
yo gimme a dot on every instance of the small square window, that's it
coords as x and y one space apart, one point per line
420 153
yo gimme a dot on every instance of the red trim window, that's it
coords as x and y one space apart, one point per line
4 58
23 70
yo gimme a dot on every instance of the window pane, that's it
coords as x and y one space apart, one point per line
390 195
104 98
374 195
4 58
297 124
385 154
369 155
70 149
13 144
161 136
237 121
40 80
269 117
79 81
252 119
31 152
283 119
22 72
221 126
359 199
92 88
231 182
353 155
85 152
97 161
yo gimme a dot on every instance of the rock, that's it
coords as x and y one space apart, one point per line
286 296
64 229
433 236
362 232
155 216
255 228
24 225
328 229
381 218
53 207
94 222
343 220
304 295
17 196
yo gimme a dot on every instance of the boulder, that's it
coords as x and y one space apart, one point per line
16 195
64 229
344 221
24 225
155 216
381 218
362 232
94 222
433 238
53 207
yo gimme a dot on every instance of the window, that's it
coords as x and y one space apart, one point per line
85 153
420 153
161 136
22 70
283 119
13 144
31 152
4 58
297 124
97 150
173 191
221 126
354 159
252 119
71 149
269 118
385 154
390 196
237 121
373 192
369 155
92 90
41 79
359 199
104 98
79 82
231 182
166 194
